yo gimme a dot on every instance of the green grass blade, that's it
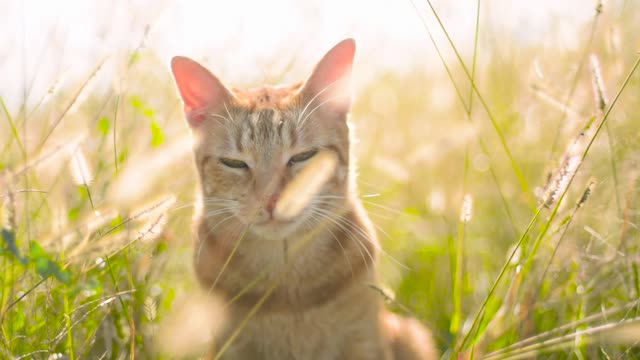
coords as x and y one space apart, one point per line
494 286
545 228
456 314
14 131
521 180
467 110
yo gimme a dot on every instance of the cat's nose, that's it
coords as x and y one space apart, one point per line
271 203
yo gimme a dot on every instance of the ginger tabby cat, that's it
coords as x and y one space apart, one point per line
302 282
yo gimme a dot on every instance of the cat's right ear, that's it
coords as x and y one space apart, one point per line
200 90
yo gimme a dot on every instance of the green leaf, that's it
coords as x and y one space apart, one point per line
157 136
116 224
18 322
493 305
103 126
167 301
45 266
161 247
73 213
9 239
412 211
134 58
135 102
82 191
123 155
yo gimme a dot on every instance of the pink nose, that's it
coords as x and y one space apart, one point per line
271 204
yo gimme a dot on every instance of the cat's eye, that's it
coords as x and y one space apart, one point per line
304 156
234 163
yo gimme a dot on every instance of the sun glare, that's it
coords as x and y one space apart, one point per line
45 41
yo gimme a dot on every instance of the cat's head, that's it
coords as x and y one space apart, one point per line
250 144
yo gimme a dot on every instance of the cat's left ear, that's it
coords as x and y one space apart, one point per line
329 85
199 89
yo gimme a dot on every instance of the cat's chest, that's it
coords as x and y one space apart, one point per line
321 333
288 337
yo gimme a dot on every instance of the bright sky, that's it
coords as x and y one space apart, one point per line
47 41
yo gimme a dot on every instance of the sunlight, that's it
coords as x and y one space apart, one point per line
48 41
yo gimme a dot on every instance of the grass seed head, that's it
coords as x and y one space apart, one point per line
297 195
152 229
465 211
191 327
80 171
597 84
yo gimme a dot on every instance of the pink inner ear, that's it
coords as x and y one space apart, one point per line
331 78
198 87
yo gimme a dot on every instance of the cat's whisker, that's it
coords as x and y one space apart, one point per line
353 236
218 116
202 242
345 197
219 203
208 114
216 212
220 222
344 252
311 101
375 244
301 124
181 207
380 215
319 200
373 203
231 118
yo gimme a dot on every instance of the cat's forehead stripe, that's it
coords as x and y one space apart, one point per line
290 132
262 129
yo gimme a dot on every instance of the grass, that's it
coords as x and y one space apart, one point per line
509 217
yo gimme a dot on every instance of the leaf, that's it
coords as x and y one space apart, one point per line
73 213
168 299
412 211
161 247
103 126
45 266
123 155
18 322
135 102
134 58
156 133
493 305
116 224
9 239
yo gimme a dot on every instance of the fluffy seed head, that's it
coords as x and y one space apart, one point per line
297 195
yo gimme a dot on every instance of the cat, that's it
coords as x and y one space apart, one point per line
316 302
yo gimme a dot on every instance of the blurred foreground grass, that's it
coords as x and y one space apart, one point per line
98 183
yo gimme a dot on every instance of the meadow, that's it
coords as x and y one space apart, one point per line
504 181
